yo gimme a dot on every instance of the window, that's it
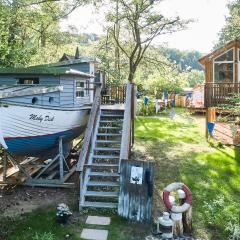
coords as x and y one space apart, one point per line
28 81
35 100
81 90
224 67
51 99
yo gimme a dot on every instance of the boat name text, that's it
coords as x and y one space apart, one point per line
41 118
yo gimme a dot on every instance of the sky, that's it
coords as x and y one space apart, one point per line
209 16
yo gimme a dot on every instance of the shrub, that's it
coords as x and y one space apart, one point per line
225 215
44 236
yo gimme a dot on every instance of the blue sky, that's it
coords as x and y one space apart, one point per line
209 16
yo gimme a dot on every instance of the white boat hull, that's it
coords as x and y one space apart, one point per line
33 131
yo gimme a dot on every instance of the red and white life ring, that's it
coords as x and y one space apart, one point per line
188 199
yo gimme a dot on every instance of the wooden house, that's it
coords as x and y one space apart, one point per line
222 81
222 73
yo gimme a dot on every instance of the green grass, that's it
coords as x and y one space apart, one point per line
182 154
41 225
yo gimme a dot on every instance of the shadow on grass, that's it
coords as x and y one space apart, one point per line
210 173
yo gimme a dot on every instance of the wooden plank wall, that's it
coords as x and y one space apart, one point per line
135 200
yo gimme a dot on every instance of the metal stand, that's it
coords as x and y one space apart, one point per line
53 173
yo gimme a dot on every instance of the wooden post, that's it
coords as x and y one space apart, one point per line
186 216
5 166
211 114
206 120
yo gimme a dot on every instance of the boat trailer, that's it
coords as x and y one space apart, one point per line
32 171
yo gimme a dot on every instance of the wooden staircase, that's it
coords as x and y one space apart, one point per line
104 147
101 183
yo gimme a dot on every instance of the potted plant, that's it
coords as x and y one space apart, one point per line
63 213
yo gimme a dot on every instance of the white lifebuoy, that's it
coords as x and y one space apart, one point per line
176 186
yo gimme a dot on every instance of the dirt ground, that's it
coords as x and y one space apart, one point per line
22 199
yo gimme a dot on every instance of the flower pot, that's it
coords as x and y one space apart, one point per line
62 219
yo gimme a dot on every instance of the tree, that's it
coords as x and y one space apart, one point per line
139 23
185 60
29 25
231 30
192 78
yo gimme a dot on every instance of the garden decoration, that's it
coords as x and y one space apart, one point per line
165 226
176 186
63 213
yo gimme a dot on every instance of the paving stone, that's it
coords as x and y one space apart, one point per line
96 220
94 234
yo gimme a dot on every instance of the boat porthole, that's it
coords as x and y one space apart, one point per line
51 100
35 100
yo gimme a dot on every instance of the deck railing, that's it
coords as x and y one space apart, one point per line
220 93
114 94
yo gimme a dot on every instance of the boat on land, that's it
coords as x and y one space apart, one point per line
41 104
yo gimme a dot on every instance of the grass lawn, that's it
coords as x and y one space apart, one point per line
213 174
181 154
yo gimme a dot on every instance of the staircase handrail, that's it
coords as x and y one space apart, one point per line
127 124
89 130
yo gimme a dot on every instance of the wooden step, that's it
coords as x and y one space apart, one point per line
105 156
111 121
100 165
111 115
109 134
101 194
110 128
104 174
106 149
108 141
99 204
103 184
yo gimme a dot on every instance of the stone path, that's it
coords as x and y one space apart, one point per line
96 234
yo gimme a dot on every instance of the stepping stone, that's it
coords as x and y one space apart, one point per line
94 234
95 220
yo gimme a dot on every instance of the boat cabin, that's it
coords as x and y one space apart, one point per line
222 73
66 83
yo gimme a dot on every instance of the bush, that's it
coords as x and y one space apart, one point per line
44 236
224 214
146 110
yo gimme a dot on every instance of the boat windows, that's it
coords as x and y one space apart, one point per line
35 100
28 81
51 99
224 67
82 89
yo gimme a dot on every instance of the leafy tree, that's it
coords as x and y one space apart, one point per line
192 78
231 30
138 24
27 26
185 60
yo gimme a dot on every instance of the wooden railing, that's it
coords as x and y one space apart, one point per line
128 124
219 93
113 94
89 130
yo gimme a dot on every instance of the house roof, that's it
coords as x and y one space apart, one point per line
219 51
44 70
70 62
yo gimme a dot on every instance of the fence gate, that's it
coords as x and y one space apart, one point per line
136 190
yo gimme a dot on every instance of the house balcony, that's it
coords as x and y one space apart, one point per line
219 93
